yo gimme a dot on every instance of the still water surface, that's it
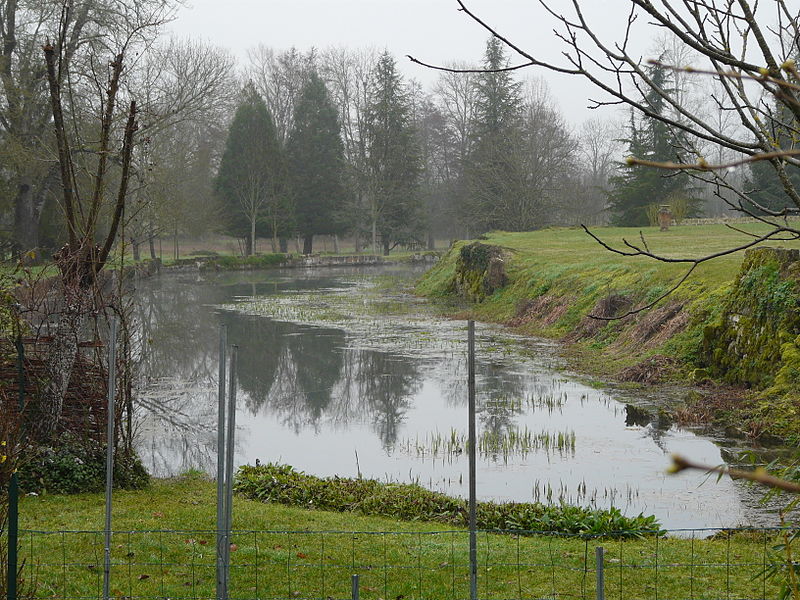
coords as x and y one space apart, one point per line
341 374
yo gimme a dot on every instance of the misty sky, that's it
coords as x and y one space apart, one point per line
431 30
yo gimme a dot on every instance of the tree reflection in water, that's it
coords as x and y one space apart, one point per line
305 376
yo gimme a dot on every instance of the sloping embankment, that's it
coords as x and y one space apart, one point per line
734 324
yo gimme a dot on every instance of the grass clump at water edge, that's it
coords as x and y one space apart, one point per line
285 485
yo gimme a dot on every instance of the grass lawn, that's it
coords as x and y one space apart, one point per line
164 547
569 254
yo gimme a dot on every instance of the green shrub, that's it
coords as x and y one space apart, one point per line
73 466
283 484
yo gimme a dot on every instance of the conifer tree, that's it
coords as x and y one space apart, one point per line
496 132
251 183
636 188
315 157
393 159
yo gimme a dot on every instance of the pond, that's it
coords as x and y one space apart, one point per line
342 374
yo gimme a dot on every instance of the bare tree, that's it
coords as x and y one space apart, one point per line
186 90
85 29
84 168
456 95
546 159
348 75
598 150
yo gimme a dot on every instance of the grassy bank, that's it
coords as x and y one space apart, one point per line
165 548
556 277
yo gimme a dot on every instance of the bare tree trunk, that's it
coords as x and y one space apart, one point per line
60 362
297 242
135 244
374 234
252 249
274 243
357 240
335 244
284 245
308 242
152 243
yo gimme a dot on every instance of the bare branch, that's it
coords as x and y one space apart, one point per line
760 475
702 165
649 305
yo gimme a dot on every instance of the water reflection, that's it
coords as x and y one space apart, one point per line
316 392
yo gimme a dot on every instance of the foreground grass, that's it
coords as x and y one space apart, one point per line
164 547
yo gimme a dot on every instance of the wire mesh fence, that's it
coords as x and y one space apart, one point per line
702 564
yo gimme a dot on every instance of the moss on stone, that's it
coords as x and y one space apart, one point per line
480 271
759 317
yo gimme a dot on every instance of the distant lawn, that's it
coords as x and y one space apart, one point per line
164 547
574 247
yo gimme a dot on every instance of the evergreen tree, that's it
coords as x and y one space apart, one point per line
315 156
497 134
393 161
251 183
768 190
636 188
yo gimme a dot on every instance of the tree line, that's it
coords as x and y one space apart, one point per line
294 144
339 143
336 142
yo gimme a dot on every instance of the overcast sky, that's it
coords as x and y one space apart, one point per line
431 30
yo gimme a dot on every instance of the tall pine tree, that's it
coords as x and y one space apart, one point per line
496 132
315 156
393 160
251 183
635 188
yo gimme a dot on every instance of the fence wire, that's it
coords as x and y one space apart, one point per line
289 565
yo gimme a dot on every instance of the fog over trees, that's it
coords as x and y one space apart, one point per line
296 143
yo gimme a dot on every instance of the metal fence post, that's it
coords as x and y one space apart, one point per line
110 418
355 588
223 342
599 554
13 487
473 543
229 445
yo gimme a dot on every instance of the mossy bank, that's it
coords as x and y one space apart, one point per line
732 329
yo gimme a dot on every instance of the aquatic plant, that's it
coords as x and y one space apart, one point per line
492 444
285 485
